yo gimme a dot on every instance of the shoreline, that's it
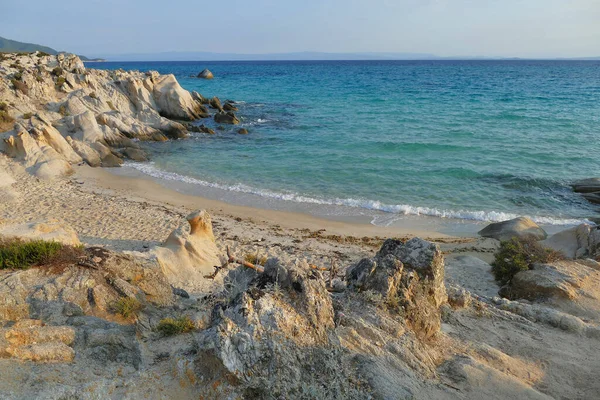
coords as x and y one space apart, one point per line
147 188
350 221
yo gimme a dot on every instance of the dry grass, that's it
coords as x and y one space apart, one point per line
19 254
126 306
175 326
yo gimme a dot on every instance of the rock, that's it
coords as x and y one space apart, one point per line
226 118
49 230
206 74
111 161
243 131
518 227
593 197
89 155
190 252
560 279
577 242
229 107
205 129
589 185
173 101
135 154
40 334
199 98
44 352
216 104
411 274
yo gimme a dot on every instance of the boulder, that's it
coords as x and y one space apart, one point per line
589 185
173 101
216 104
189 253
88 154
243 131
206 74
577 242
518 227
135 154
226 118
49 230
560 279
111 161
229 107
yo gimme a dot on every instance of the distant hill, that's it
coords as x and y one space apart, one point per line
10 46
7 46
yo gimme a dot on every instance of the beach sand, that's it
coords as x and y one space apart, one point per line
126 213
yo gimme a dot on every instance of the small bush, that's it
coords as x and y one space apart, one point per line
519 254
126 306
58 71
18 76
3 106
175 326
39 78
27 115
60 81
42 54
18 254
15 64
254 259
62 110
93 95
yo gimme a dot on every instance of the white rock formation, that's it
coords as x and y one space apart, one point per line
90 106
190 252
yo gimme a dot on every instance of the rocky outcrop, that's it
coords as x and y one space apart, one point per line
206 74
190 252
410 273
518 227
109 108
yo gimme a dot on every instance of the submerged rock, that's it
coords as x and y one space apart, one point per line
518 227
226 118
243 131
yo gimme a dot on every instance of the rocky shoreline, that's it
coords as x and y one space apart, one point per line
65 114
153 297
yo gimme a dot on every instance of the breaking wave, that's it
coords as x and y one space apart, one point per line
401 209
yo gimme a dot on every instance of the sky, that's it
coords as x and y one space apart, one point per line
494 28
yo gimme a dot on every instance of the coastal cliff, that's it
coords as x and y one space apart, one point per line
58 113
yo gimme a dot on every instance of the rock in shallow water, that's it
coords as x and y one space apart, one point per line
206 74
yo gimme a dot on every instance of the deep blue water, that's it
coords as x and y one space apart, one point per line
479 140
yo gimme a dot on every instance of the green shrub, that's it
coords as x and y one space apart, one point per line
60 81
18 254
126 306
27 115
62 110
175 326
42 54
58 71
519 254
18 76
3 106
16 64
39 78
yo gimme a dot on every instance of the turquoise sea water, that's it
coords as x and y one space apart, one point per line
480 140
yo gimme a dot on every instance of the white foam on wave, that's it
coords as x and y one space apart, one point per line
402 209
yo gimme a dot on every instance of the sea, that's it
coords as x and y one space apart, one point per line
378 141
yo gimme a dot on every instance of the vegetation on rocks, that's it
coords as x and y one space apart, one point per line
5 119
58 71
18 254
519 254
20 86
126 306
175 326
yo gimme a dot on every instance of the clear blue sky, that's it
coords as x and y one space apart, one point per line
523 28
